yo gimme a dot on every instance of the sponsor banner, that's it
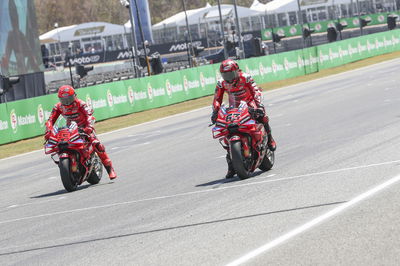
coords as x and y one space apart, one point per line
322 26
5 125
308 60
288 31
191 83
26 118
138 97
208 78
174 87
23 117
343 52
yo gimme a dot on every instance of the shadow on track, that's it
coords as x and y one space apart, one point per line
167 229
224 180
63 191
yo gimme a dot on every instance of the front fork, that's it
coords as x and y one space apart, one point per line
245 145
72 160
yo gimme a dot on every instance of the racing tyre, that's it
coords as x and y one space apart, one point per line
67 178
97 171
238 161
268 161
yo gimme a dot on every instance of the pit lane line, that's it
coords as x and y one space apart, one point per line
199 192
314 222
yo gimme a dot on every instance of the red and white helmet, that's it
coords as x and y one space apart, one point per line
67 95
229 70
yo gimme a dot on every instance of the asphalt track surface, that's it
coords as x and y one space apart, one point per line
332 197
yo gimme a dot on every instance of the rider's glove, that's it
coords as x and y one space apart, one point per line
260 112
47 134
88 130
257 112
214 116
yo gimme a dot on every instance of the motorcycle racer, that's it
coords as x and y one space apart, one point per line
76 110
240 86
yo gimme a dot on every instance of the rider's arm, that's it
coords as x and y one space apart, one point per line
218 96
255 91
55 113
88 114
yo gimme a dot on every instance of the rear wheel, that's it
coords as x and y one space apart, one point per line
97 171
268 161
67 178
238 161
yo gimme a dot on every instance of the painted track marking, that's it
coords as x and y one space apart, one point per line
195 192
316 221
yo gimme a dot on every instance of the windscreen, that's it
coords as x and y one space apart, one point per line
19 42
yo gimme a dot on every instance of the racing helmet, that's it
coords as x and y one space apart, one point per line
229 70
67 95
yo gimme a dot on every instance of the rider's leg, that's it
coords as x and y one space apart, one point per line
231 171
101 152
271 141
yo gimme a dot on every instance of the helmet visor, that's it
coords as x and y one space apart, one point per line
229 76
68 100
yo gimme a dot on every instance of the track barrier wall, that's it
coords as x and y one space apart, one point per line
322 26
26 118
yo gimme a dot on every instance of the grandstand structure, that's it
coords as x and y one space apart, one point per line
86 38
280 13
204 23
277 13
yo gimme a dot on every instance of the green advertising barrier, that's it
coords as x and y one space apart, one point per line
26 118
335 54
5 125
322 26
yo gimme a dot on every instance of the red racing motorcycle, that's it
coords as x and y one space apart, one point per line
244 138
77 159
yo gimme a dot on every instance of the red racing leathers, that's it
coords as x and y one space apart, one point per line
80 113
244 89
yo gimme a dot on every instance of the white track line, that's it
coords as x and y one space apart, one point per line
35 202
192 193
313 222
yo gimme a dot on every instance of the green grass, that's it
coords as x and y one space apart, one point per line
36 143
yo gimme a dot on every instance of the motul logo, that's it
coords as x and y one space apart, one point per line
124 55
182 46
178 47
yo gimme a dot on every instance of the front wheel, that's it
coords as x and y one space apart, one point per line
97 171
67 178
268 161
238 160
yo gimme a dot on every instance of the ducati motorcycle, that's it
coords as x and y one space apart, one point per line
244 138
77 159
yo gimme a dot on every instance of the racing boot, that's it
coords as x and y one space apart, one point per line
271 142
111 173
231 171
101 152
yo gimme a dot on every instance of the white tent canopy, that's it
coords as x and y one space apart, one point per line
283 6
77 32
207 13
228 10
180 20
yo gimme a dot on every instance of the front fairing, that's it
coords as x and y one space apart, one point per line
234 120
64 140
